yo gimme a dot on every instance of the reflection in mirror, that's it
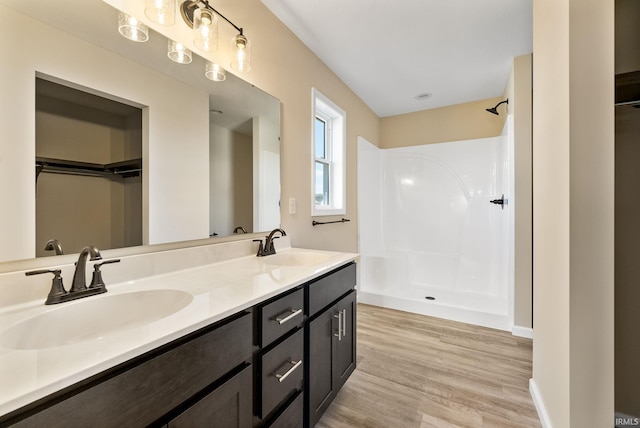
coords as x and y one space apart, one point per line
203 174
88 170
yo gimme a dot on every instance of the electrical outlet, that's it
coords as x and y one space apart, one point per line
292 205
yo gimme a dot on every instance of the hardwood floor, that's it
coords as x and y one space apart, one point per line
419 371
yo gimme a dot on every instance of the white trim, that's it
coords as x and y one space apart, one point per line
519 331
539 403
338 128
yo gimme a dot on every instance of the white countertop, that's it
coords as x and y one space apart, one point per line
218 289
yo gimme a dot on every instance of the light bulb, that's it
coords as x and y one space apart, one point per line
242 54
205 30
162 12
214 72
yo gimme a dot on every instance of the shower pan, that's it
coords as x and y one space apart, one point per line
435 229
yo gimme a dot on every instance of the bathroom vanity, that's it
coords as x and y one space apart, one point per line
262 341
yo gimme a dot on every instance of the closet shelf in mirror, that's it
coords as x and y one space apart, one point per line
124 169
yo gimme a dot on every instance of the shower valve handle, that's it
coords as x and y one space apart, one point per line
500 201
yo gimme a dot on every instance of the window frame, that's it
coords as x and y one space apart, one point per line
335 154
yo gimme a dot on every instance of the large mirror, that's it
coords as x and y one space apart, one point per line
209 151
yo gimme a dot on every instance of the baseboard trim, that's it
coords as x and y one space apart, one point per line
539 403
527 332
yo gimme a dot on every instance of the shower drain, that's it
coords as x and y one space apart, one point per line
430 298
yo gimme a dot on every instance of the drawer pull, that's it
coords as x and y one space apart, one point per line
282 377
283 318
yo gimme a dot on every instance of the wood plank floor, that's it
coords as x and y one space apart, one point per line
419 371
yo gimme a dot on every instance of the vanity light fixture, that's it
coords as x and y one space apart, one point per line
205 29
190 9
177 52
161 12
132 29
214 72
242 54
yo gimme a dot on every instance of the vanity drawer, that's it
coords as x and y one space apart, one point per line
281 316
227 406
327 289
293 415
281 372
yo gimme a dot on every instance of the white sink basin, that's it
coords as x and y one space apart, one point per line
300 258
84 320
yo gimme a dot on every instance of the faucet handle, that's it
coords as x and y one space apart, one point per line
96 279
57 287
260 247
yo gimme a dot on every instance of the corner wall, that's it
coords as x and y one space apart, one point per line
573 171
459 122
519 92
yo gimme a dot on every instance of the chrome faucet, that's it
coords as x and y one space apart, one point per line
79 277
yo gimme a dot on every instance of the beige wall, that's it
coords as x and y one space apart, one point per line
519 92
284 67
573 173
452 123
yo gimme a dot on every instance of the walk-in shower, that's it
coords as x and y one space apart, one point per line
431 240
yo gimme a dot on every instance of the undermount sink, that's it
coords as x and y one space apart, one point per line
85 320
300 258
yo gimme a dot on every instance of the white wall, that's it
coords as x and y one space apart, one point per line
175 143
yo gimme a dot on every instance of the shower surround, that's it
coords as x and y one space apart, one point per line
430 240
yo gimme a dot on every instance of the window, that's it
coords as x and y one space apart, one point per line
329 128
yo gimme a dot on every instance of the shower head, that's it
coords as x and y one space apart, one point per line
494 110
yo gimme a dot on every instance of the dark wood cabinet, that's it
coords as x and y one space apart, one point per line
331 354
346 347
227 406
331 344
281 372
147 389
293 415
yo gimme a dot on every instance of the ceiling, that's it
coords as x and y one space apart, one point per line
390 51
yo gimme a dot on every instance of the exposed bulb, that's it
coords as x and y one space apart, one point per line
242 60
162 12
132 28
205 30
177 52
214 72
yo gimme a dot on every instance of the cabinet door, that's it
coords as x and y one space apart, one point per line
346 346
228 406
321 357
